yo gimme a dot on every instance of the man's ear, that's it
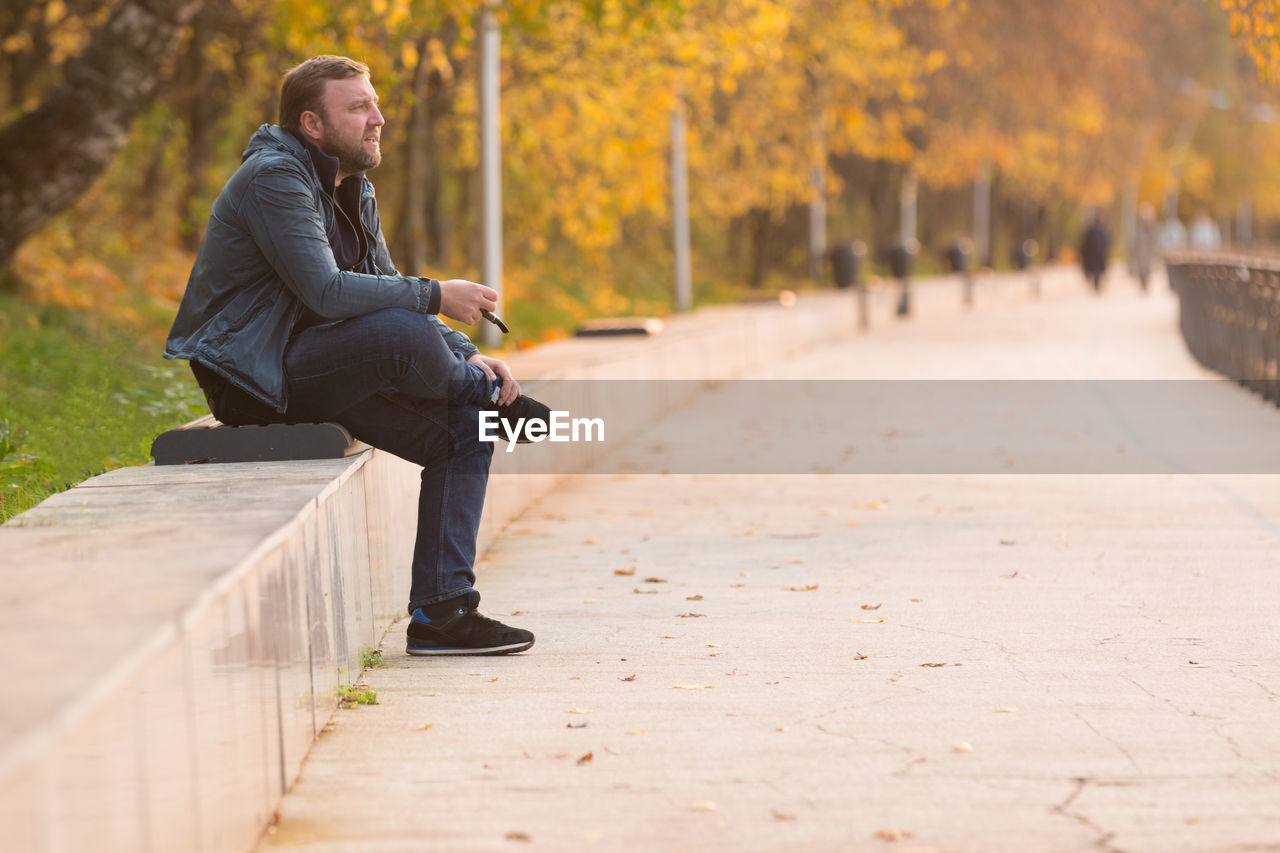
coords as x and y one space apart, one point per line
311 124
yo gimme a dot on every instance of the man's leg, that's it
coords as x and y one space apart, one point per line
389 378
442 439
332 368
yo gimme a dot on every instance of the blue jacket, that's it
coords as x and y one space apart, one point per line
266 255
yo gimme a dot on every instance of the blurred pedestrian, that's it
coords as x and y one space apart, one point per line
1144 239
1094 251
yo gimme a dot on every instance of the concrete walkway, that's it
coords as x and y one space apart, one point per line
831 663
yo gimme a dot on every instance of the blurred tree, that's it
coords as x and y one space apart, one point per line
51 153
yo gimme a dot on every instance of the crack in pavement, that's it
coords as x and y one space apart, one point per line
1109 740
998 645
1104 838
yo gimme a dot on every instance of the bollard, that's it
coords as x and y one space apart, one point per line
901 259
958 256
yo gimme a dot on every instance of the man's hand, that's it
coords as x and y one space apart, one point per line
462 300
494 367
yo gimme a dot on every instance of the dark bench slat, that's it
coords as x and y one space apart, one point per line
200 443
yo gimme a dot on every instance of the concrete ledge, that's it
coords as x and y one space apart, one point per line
175 637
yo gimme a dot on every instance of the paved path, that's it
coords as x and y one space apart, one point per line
810 663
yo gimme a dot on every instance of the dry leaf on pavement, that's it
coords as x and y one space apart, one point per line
639 591
872 606
781 815
893 835
584 759
519 836
628 678
702 806
625 572
691 615
578 710
693 598
809 588
873 621
655 580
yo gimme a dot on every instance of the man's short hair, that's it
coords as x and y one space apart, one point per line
303 86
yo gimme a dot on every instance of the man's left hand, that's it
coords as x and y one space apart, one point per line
497 368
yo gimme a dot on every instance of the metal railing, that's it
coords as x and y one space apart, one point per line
1230 315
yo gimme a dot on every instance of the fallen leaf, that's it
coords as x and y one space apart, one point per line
639 591
625 572
736 585
873 621
1014 575
962 746
795 561
1006 710
424 728
916 600
781 729
872 606
893 835
859 656
1193 820
628 678
1008 542
591 540
584 759
702 806
713 645
693 598
693 686
578 710
655 580
744 574
635 731
612 751
781 815
872 505
735 672
809 588
853 524
575 725
519 836
495 678
933 664
671 636
691 615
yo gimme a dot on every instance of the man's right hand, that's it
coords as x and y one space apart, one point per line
462 300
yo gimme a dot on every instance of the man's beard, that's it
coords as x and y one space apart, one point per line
352 159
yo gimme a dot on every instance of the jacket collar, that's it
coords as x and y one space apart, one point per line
326 166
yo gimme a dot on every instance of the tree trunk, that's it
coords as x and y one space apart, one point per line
51 155
414 209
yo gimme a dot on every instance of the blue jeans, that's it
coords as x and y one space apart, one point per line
391 380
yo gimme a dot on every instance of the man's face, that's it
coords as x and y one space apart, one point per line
351 125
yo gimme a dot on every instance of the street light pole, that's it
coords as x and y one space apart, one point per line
491 160
680 207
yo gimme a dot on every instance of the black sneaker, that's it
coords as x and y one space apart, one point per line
463 631
523 408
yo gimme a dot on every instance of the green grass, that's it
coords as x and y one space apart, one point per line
356 694
78 397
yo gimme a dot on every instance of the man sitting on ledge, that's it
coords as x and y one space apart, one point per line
294 313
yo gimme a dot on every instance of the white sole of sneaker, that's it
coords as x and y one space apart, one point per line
492 650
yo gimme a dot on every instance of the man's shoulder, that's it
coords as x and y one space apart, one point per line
273 149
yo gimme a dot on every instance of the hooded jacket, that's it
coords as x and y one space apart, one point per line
266 256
